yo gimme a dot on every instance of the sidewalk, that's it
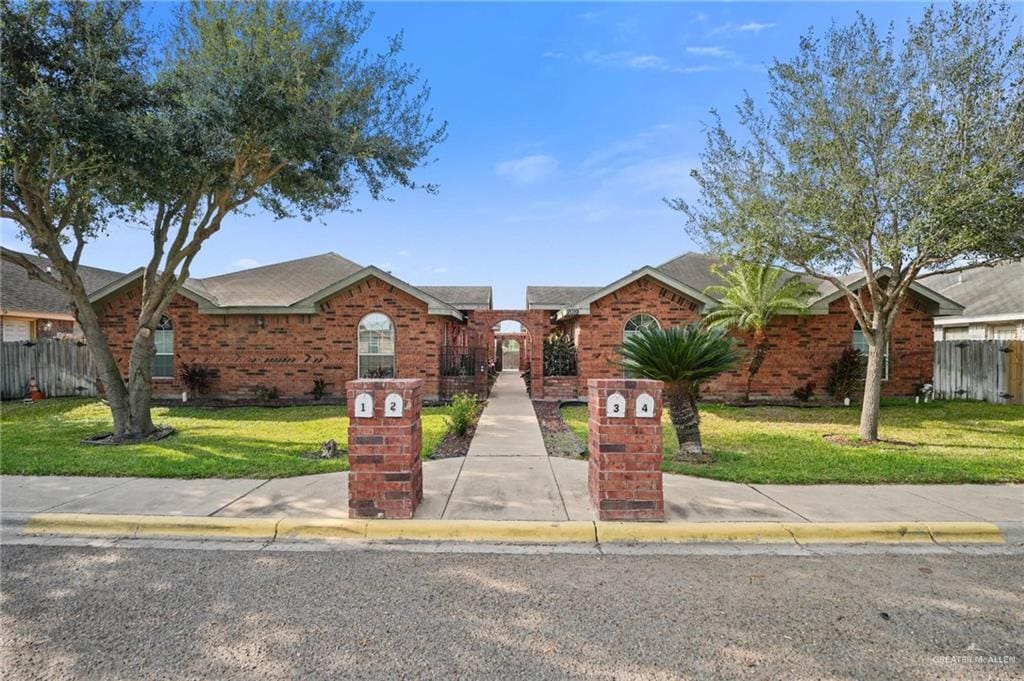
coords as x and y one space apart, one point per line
686 498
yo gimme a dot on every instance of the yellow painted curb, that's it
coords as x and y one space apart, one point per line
859 533
680 532
966 533
82 523
203 526
321 528
97 524
515 532
522 531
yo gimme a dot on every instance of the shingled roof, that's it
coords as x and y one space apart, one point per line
462 297
20 293
984 291
556 297
296 286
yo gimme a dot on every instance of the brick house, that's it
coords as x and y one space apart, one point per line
803 346
325 317
282 326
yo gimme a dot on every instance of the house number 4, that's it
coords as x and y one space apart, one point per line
644 406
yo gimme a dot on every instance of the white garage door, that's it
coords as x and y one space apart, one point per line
17 330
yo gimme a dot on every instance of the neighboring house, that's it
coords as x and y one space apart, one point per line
803 346
32 310
993 300
283 325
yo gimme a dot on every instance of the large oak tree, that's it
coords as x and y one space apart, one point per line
266 103
892 156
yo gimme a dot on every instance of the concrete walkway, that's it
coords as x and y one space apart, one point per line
507 474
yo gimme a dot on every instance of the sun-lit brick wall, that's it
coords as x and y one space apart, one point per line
599 334
802 348
288 351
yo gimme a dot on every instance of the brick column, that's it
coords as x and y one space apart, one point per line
384 442
625 450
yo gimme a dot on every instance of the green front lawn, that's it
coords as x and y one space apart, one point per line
956 442
237 442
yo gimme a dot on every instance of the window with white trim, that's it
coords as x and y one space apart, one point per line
635 325
163 339
376 346
861 343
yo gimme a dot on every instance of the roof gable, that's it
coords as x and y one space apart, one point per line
21 293
583 305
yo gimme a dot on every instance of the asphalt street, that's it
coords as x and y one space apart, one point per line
146 613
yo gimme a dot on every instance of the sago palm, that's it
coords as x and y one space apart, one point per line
683 358
750 297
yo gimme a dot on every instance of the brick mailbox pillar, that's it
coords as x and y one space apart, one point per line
384 442
624 439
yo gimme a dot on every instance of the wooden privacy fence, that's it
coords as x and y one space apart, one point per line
62 368
989 370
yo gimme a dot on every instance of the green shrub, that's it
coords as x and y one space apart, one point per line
319 388
463 413
559 355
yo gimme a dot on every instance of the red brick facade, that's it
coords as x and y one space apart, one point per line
802 350
288 352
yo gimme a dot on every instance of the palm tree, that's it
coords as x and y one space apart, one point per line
683 358
750 297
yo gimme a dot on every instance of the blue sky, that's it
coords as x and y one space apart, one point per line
568 125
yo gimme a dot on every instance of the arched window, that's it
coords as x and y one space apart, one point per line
861 344
163 338
636 324
639 323
376 347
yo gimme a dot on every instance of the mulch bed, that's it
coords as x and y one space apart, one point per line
559 439
453 445
109 439
853 442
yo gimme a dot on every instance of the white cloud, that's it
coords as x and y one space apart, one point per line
749 27
528 169
405 254
710 51
245 263
630 60
552 54
646 61
440 270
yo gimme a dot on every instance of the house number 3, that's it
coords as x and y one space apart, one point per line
616 406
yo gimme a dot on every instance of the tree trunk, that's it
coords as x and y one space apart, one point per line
756 360
129 402
872 404
682 409
140 388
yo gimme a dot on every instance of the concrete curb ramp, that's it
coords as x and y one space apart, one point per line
510 532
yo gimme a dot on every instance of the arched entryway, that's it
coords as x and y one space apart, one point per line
527 327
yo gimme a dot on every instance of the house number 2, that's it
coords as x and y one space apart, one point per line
364 405
393 405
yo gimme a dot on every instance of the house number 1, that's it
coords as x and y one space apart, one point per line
364 405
